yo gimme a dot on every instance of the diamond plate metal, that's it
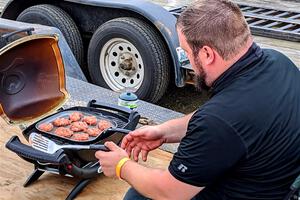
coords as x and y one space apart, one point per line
81 92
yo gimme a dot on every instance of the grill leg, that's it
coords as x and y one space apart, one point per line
78 188
33 177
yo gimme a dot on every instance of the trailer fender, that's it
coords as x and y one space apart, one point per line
163 20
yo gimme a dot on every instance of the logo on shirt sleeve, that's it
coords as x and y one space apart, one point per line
182 168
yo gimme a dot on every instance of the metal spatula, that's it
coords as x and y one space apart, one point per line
46 145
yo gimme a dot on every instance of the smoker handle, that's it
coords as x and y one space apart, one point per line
25 151
96 104
9 35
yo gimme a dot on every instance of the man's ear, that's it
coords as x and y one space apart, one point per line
207 54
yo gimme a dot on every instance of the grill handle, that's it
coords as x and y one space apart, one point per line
27 152
134 116
96 104
84 173
110 131
119 130
97 147
9 35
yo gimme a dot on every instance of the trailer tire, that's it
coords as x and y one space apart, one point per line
148 74
50 15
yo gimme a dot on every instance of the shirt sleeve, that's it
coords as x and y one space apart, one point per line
208 151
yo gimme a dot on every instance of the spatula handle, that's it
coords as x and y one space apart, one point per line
100 147
25 151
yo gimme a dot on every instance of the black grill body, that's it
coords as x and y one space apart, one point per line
75 163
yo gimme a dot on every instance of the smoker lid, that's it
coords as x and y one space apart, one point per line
32 79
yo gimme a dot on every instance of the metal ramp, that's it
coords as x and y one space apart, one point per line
273 23
267 22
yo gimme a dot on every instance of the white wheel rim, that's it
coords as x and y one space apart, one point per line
121 65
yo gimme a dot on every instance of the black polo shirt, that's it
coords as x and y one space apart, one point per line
244 143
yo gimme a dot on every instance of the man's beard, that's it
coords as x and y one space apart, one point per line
200 78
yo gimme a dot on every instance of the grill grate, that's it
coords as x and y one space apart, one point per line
119 122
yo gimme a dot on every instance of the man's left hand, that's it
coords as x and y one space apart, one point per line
109 160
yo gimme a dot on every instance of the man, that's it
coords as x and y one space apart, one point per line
244 142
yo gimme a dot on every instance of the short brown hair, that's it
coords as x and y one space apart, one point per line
219 24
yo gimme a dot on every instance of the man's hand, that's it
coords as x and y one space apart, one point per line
109 160
143 140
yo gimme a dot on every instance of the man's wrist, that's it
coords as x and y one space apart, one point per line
120 165
163 128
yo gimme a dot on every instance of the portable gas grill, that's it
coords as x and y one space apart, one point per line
32 82
75 163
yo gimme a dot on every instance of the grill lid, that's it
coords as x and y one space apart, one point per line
32 79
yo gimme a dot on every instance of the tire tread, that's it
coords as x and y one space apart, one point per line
62 21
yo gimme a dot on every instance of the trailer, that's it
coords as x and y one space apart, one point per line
133 44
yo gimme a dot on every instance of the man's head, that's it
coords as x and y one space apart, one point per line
214 35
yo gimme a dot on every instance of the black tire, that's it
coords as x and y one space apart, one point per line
50 15
149 44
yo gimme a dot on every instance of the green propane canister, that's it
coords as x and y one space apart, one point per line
128 99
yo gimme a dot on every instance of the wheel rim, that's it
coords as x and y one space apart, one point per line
121 65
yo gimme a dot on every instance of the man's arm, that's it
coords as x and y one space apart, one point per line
157 183
175 129
148 138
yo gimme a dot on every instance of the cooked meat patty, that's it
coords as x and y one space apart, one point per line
104 124
61 122
90 120
64 132
78 126
75 116
80 136
47 127
93 132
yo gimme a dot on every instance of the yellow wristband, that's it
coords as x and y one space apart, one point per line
120 165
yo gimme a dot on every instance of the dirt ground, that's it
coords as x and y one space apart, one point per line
184 100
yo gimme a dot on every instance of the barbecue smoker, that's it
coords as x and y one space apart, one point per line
32 91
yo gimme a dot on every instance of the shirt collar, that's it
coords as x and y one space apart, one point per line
253 54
